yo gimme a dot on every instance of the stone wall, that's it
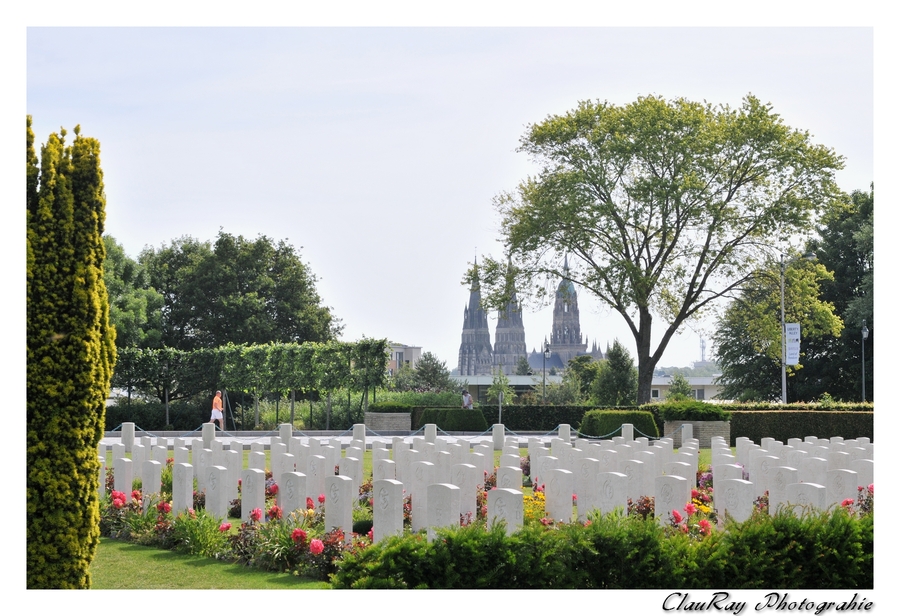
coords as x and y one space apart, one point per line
383 422
703 431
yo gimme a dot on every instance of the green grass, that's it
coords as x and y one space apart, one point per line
126 566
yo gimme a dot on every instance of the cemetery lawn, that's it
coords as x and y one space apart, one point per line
127 566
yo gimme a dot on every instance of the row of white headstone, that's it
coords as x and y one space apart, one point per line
443 475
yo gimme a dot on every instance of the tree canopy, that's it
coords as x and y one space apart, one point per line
616 384
748 337
236 291
662 208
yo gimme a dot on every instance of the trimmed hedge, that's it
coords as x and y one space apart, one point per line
534 417
390 407
825 550
151 416
451 419
782 425
692 410
605 422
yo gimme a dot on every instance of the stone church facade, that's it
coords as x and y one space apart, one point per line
477 356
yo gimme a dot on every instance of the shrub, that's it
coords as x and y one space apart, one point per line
454 420
390 407
197 533
604 423
691 410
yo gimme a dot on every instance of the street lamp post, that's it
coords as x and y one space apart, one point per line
783 341
809 257
865 335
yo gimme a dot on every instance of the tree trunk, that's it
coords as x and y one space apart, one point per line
646 363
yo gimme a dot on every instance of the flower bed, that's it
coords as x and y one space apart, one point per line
624 549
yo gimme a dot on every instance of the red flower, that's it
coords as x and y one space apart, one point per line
676 516
256 514
136 495
298 535
322 498
274 512
847 502
316 546
225 527
704 526
164 507
309 503
694 493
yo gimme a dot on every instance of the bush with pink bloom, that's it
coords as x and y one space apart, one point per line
316 546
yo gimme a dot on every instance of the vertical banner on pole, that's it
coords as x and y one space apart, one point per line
792 338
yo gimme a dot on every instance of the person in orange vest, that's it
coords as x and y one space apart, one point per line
217 411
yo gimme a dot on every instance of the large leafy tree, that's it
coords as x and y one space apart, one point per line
617 381
70 355
135 308
236 291
662 208
748 336
845 247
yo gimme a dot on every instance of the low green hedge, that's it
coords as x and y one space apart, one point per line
151 416
782 425
605 422
534 417
692 410
827 550
451 419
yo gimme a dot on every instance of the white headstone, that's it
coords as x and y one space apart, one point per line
291 492
509 477
317 469
841 484
672 493
387 509
466 477
216 491
782 477
734 497
339 505
182 487
865 471
123 477
612 492
807 496
384 469
443 507
505 506
151 480
253 492
560 486
422 477
128 436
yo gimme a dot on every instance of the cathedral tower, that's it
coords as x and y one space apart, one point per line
565 340
475 353
509 337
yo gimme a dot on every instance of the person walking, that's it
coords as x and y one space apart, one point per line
466 399
217 411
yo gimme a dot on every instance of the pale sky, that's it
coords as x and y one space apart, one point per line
377 151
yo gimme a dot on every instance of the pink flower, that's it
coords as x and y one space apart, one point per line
676 516
847 502
274 512
684 528
309 503
298 535
316 546
192 513
872 489
694 493
118 503
370 535
322 498
704 527
256 514
690 509
574 499
136 495
225 527
484 510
